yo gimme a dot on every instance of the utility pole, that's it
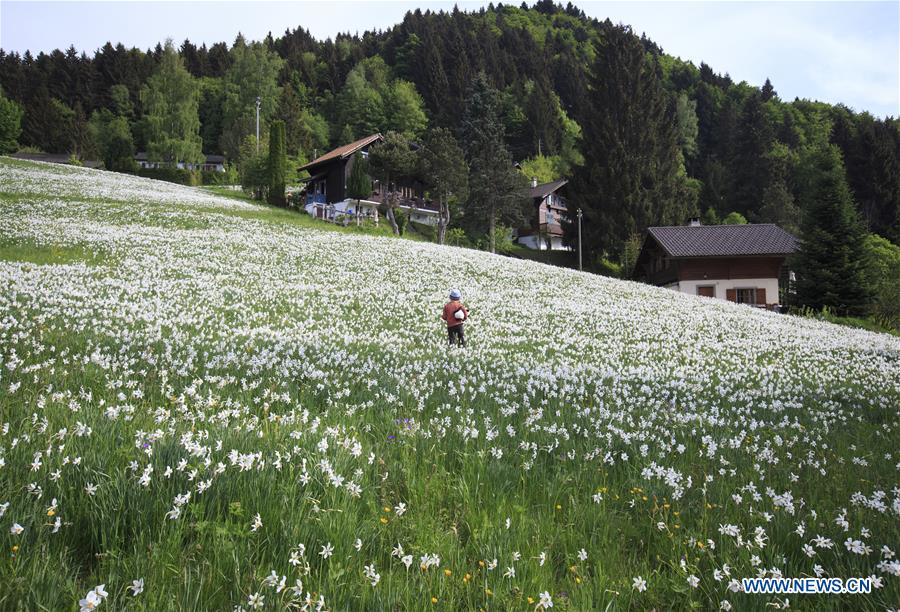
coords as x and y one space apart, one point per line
579 240
258 100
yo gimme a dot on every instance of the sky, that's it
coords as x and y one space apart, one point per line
836 52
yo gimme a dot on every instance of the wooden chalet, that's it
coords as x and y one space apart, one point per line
738 263
326 188
545 230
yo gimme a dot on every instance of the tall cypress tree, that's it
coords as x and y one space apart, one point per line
277 163
831 263
629 180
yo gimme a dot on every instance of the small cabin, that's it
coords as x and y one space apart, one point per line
739 263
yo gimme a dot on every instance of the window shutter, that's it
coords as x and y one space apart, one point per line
731 295
761 296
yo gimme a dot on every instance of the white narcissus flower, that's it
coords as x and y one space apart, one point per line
255 601
639 584
693 581
137 586
16 529
545 600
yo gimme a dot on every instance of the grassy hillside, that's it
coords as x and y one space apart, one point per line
240 412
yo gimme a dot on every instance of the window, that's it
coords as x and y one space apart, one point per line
746 295
707 291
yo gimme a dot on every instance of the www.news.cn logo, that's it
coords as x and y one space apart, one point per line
807 586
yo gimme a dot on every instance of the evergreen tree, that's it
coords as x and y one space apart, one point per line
544 121
10 124
359 185
751 173
831 262
630 176
391 160
277 163
444 170
253 74
497 192
170 101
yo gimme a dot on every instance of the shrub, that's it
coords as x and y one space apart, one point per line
400 218
171 175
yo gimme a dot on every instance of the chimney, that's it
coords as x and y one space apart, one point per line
533 181
694 222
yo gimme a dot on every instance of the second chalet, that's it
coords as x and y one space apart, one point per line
326 188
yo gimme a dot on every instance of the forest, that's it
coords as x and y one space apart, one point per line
644 138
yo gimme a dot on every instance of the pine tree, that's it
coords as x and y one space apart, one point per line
391 160
444 170
750 170
170 100
831 262
629 180
497 193
277 163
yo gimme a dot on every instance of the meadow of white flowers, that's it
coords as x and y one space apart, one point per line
207 409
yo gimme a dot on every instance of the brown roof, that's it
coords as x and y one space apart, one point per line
343 152
724 240
542 191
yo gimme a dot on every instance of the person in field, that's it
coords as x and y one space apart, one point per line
455 314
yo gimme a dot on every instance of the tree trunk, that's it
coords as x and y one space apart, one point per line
493 228
443 222
391 220
357 213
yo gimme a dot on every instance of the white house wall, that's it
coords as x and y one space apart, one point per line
721 286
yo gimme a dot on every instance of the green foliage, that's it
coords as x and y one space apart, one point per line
172 175
253 73
456 236
389 161
710 217
734 218
401 221
121 101
541 167
277 161
404 109
630 178
444 171
497 192
630 251
883 279
254 166
170 101
831 263
686 116
59 136
10 124
371 102
359 185
605 267
114 141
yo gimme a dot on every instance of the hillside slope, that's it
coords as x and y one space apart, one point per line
227 407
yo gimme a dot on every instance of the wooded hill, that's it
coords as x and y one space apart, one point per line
645 137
